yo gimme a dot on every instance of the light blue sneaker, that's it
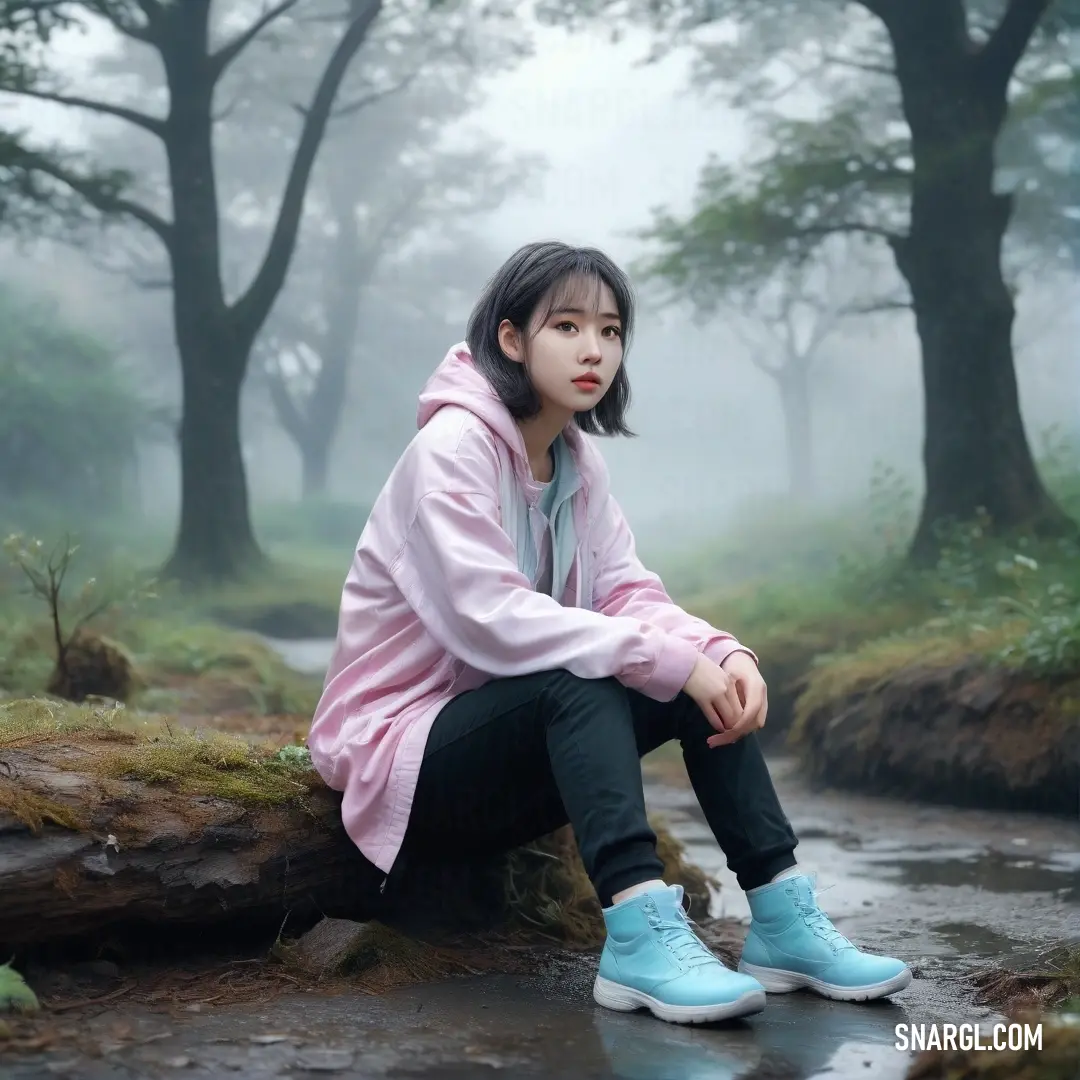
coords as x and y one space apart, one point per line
652 959
793 945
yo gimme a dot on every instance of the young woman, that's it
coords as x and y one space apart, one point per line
503 661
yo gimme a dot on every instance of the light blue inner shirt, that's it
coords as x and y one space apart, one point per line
550 567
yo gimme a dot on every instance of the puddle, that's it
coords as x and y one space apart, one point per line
990 871
308 656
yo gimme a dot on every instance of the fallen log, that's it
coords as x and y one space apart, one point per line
141 852
109 818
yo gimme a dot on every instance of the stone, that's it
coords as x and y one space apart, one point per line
333 947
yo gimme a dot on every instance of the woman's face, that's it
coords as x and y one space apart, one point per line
574 354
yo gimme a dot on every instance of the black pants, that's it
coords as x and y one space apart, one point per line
519 757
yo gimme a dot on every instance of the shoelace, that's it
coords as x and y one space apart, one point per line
818 921
679 936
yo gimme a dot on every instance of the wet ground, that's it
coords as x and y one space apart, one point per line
950 891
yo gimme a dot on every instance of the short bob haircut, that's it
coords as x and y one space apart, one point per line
545 275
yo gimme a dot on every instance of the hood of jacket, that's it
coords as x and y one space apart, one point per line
456 381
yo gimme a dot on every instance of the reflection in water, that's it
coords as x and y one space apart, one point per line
640 1047
992 871
797 1036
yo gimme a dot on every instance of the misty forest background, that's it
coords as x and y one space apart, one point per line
238 235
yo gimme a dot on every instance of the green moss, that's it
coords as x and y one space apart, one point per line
209 763
25 722
835 677
132 746
15 995
34 809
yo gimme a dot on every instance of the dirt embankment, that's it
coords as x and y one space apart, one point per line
967 733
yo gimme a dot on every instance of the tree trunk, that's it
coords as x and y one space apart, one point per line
314 458
215 541
348 274
794 385
975 451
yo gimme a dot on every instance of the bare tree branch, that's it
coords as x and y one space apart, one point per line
790 331
232 49
292 420
115 17
105 201
883 9
132 116
251 308
1002 52
365 100
753 345
228 110
861 65
876 307
857 227
825 322
151 283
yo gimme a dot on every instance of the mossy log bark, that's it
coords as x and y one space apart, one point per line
143 853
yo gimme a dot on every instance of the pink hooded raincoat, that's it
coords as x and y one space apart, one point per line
434 603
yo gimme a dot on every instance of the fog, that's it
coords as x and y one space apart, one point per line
620 138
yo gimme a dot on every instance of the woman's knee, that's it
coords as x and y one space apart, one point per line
564 688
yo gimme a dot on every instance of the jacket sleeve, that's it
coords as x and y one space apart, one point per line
623 588
458 571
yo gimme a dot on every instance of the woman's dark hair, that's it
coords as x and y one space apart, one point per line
545 273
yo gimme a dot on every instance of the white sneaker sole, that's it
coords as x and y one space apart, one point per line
626 999
778 981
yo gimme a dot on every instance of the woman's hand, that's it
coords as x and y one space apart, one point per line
753 696
716 694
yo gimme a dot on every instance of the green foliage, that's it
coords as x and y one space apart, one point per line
47 569
68 420
832 584
15 995
848 168
297 757
840 174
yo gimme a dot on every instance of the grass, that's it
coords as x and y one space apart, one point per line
181 664
1010 601
122 744
308 547
547 889
931 645
1054 981
208 763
